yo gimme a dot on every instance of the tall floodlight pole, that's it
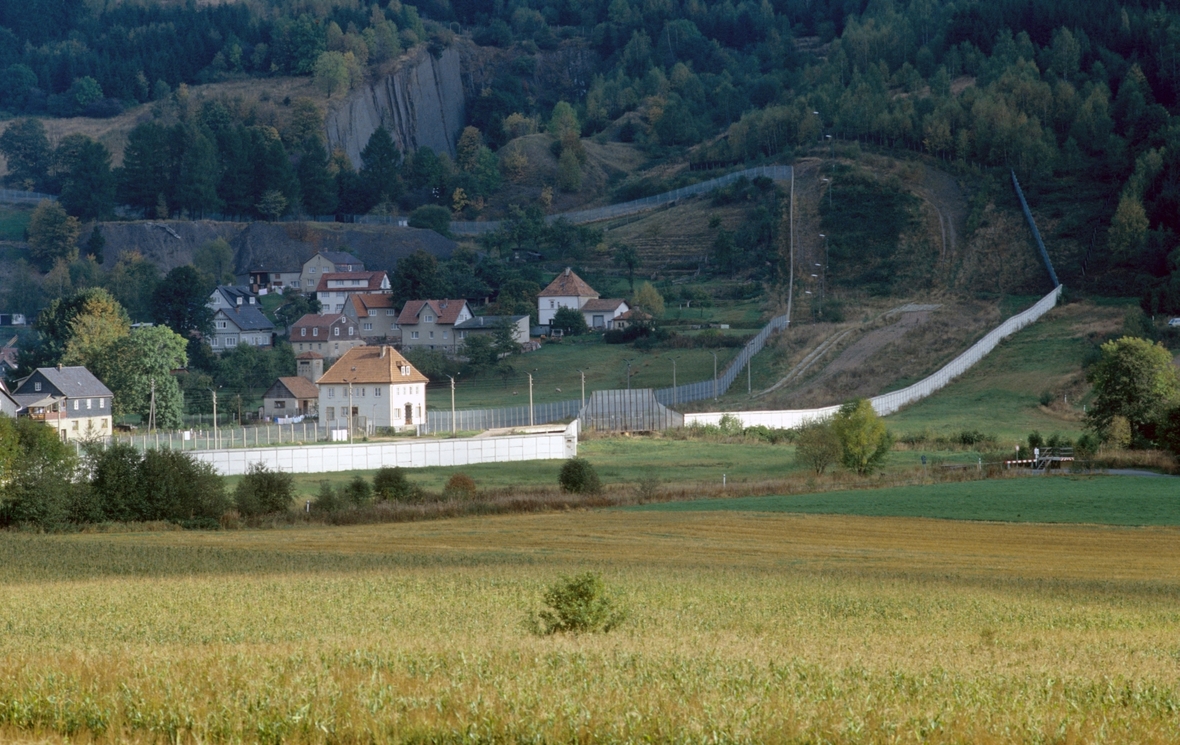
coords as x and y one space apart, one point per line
216 434
673 359
530 398
628 374
714 375
452 404
583 374
350 412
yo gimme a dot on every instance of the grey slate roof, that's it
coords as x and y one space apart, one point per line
248 318
232 292
483 322
343 257
74 382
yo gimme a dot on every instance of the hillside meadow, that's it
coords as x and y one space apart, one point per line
743 626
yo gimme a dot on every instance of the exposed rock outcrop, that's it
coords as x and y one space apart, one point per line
280 246
420 103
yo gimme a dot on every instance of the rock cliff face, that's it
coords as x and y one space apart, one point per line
419 103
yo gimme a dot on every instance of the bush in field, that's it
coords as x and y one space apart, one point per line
392 484
577 605
817 446
459 486
864 441
357 492
328 499
38 475
263 491
179 488
579 477
115 486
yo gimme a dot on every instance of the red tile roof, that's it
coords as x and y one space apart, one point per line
371 365
372 281
300 387
362 304
324 321
568 284
445 311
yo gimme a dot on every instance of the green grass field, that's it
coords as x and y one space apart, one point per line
556 366
13 222
1107 500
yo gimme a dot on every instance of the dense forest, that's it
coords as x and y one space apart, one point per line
1078 94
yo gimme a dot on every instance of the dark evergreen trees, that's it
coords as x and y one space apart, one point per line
315 181
145 178
380 178
83 168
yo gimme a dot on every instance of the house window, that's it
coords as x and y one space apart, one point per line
362 392
313 270
102 403
413 335
351 330
431 334
428 319
377 392
339 307
215 342
280 404
37 387
90 403
368 327
331 393
444 334
389 312
303 332
550 303
315 332
339 294
76 402
331 412
231 341
336 331
222 325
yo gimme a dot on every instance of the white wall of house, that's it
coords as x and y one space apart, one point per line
380 405
547 306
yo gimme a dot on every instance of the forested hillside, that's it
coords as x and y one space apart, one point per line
1076 97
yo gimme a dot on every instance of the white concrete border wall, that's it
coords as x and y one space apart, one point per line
552 445
888 403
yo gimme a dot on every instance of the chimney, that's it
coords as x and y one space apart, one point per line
384 349
59 367
567 271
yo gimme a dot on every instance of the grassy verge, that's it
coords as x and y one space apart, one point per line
13 222
1109 500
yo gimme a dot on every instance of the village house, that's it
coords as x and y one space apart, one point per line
382 388
329 334
242 324
291 396
326 262
231 296
430 324
376 316
69 399
569 290
488 325
9 357
275 278
8 405
335 287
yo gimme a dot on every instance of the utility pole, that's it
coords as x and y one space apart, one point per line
673 359
583 374
530 398
152 408
823 282
628 374
791 278
714 375
216 434
350 412
452 404
749 364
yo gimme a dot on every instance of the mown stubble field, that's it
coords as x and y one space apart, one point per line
743 627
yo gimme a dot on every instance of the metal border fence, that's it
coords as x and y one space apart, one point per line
12 196
778 173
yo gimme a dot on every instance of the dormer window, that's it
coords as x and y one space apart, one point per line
428 319
37 387
315 332
303 332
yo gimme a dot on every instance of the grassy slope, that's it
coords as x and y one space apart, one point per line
1110 500
13 222
1001 394
742 627
556 366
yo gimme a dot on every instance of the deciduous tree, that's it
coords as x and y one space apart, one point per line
864 441
1135 379
53 235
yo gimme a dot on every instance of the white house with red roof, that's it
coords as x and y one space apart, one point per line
334 288
430 324
569 290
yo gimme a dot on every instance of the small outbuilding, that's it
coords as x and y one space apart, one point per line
293 396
